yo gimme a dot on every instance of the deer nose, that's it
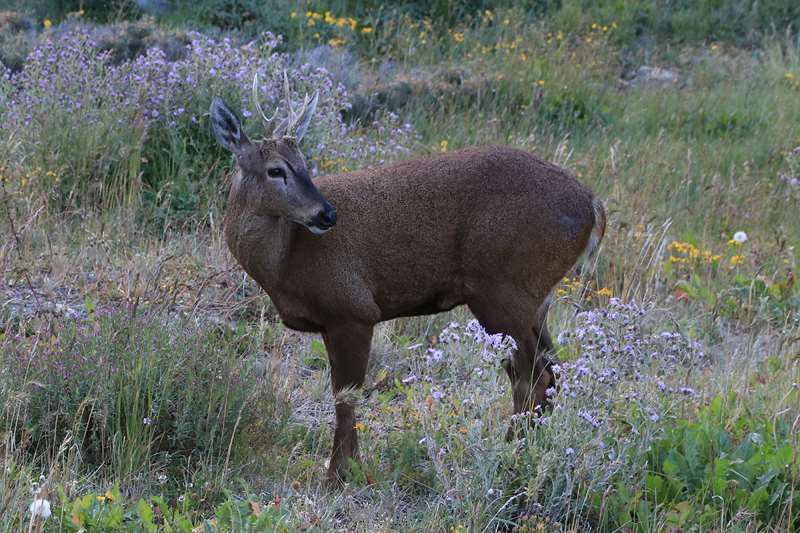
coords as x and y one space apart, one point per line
328 216
325 219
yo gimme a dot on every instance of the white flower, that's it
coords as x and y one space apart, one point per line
740 237
40 508
569 451
147 421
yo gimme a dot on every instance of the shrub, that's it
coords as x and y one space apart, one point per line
133 395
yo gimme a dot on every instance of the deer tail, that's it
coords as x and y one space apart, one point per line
596 236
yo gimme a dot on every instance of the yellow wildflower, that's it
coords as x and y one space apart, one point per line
336 42
360 426
458 36
443 145
366 29
47 23
540 83
605 291
108 496
737 260
293 15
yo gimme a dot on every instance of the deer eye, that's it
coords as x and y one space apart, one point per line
275 172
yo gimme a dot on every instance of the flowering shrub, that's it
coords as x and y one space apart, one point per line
621 366
614 348
103 127
493 349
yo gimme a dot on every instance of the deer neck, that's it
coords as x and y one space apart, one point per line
261 244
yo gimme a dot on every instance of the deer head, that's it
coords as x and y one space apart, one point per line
273 177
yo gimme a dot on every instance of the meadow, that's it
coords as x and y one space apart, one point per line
147 384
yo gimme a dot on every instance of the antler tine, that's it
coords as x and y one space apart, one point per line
288 100
269 123
294 115
299 114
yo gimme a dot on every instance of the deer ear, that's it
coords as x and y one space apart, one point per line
226 126
305 119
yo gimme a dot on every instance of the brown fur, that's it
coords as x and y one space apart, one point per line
494 228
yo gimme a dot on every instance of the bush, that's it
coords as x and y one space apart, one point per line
133 395
722 468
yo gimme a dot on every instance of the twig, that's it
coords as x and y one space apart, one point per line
19 245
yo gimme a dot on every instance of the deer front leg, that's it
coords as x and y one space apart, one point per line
348 351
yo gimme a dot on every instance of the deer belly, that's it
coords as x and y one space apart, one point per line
430 304
300 324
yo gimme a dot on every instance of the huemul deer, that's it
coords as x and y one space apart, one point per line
494 228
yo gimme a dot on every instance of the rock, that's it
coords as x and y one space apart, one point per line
155 7
340 63
654 76
418 88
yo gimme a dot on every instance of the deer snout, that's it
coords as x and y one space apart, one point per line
324 220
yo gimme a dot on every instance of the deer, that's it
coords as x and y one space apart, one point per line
494 228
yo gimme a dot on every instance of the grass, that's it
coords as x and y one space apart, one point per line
146 383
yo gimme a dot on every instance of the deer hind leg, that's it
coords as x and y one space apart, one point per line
521 316
544 347
348 351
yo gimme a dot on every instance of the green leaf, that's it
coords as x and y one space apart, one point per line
91 307
758 499
669 468
318 348
777 494
145 512
715 407
162 505
655 485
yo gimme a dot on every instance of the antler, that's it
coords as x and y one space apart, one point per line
269 123
293 121
297 121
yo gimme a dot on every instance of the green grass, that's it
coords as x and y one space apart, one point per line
178 393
